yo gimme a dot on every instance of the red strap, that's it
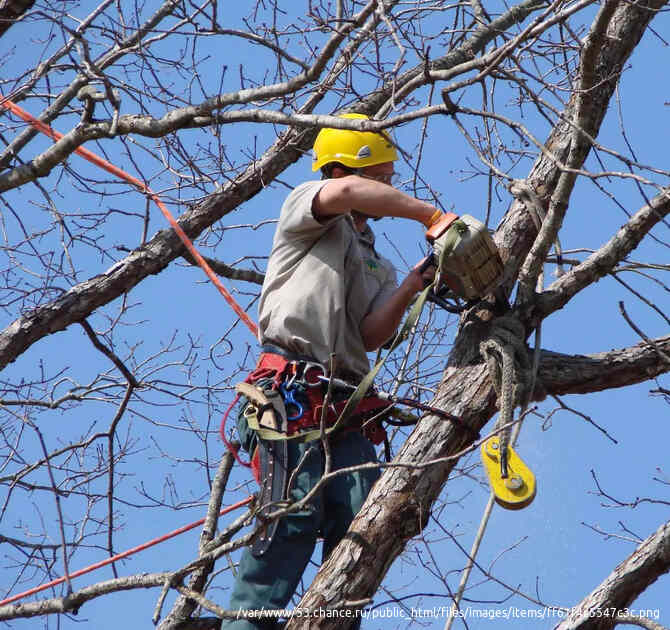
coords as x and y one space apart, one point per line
233 449
256 465
272 361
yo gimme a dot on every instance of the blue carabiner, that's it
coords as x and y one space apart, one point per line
288 394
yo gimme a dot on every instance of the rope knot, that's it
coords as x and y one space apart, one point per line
506 354
509 368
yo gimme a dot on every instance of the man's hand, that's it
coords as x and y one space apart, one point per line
419 279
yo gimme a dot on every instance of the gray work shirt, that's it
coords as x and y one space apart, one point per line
322 279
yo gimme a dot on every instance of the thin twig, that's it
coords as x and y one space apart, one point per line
581 415
61 522
660 352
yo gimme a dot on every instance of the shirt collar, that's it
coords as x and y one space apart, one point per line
367 236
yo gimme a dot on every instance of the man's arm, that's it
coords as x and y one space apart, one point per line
342 194
379 325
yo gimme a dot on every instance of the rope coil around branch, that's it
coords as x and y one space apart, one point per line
510 370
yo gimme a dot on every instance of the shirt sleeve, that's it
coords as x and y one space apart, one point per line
296 216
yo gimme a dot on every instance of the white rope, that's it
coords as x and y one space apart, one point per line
489 348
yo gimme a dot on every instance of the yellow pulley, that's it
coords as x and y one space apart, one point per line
517 489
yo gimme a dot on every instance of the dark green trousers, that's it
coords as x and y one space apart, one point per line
270 581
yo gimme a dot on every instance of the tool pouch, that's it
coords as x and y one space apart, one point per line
471 265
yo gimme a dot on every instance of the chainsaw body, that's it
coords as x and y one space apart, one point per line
471 266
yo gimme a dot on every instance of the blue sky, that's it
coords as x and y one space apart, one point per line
549 549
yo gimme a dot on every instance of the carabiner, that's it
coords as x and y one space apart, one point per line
294 410
306 368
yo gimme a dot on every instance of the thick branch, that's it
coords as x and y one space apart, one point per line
11 11
584 374
603 262
151 258
649 561
78 598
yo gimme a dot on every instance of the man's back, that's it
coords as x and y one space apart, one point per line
322 278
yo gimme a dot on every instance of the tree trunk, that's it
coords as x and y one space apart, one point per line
399 505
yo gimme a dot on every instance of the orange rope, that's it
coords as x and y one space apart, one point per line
110 168
114 170
121 555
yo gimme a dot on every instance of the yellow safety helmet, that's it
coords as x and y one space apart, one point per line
354 149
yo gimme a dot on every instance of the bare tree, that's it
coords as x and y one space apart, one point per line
209 107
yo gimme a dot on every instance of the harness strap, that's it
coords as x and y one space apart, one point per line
278 367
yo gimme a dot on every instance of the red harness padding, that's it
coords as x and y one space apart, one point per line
278 367
368 406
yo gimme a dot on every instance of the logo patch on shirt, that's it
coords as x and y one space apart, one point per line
372 264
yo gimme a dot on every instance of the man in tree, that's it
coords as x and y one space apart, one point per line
326 292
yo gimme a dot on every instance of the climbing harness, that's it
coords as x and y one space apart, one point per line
289 388
512 482
285 400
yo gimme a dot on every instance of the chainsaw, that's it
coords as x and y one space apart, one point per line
470 264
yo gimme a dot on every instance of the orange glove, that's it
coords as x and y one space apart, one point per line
439 224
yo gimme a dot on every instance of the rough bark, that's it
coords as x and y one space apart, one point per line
579 374
606 605
399 505
76 600
12 10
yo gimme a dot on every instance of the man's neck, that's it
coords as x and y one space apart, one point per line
360 221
